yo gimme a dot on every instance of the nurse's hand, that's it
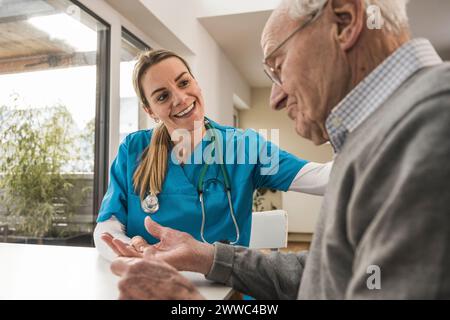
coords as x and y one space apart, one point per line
179 249
152 279
135 249
139 244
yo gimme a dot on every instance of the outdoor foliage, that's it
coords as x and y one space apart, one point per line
35 145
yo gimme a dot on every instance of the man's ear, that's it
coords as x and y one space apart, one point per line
350 17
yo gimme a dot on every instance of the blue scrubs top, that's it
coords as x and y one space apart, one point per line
249 168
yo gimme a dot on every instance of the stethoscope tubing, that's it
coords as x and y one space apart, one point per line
200 190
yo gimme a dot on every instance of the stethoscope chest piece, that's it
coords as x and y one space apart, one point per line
150 204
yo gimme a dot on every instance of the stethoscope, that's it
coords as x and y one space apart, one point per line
150 204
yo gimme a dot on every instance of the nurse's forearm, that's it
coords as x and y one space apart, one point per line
312 178
114 228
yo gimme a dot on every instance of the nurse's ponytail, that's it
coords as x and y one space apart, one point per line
151 171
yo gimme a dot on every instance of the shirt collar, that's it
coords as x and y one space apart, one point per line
376 88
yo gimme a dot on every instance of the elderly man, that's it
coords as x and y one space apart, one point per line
383 101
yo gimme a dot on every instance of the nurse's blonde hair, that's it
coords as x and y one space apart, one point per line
152 169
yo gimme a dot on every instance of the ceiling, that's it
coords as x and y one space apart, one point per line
238 35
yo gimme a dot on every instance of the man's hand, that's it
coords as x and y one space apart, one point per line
152 279
179 249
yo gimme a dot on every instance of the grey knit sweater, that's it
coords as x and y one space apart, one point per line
384 227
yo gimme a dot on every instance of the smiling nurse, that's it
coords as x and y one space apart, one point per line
210 200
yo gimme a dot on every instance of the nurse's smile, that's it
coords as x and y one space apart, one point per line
186 112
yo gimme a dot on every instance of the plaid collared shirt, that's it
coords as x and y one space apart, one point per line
376 88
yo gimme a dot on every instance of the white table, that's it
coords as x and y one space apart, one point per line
55 272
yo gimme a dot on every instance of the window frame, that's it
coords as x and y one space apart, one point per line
135 40
106 13
102 112
138 43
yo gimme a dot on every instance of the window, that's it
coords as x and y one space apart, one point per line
131 117
54 59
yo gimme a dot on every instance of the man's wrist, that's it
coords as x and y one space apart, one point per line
206 257
223 260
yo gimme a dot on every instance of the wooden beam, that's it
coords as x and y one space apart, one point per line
46 62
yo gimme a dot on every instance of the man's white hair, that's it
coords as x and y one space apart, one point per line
392 11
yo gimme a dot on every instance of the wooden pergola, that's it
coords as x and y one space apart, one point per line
24 48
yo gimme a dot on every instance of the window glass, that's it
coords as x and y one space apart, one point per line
129 105
51 56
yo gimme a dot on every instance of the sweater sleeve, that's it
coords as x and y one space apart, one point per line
262 276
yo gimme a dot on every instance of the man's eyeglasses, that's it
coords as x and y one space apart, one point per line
272 72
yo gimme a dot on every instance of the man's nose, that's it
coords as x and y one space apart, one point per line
277 97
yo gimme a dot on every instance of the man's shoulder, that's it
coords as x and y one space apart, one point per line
421 127
421 104
427 83
424 100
